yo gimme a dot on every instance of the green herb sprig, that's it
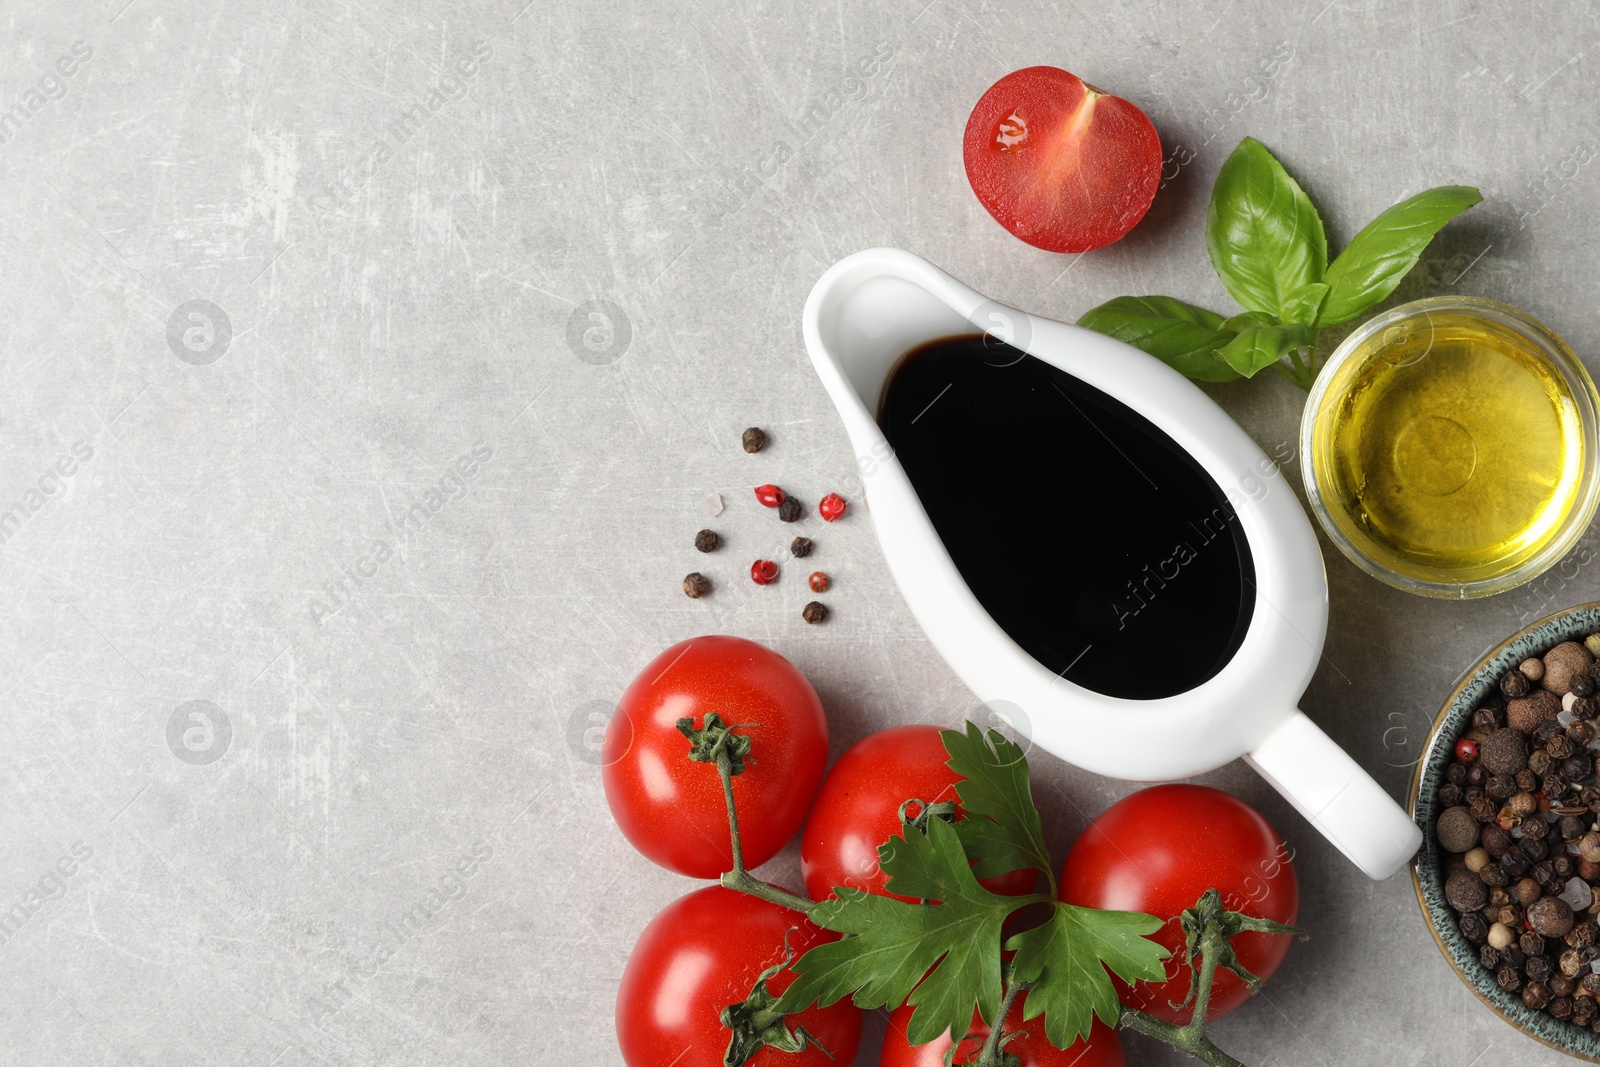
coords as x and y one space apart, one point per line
1269 248
954 936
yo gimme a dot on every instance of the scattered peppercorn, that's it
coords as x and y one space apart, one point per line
800 547
790 509
1456 829
770 496
831 507
696 585
814 612
707 540
1581 685
1466 750
1466 893
763 572
754 440
819 584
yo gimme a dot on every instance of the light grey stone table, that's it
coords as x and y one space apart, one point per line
334 518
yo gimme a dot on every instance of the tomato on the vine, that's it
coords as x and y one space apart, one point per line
1157 851
704 952
672 809
1062 165
1102 1048
858 808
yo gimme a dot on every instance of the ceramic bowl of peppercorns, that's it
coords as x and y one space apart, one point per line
1508 801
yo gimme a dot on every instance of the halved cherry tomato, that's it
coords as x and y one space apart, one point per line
1062 165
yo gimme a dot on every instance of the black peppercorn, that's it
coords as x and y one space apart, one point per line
1560 1008
1477 774
1562 986
1555 786
1536 995
1535 848
816 612
1531 943
1576 768
1580 733
707 541
1529 833
1571 962
1562 866
1449 795
1487 718
1489 957
1482 809
1560 747
1589 795
753 440
1508 979
1493 874
1581 685
1584 707
1571 827
1583 1009
1500 787
790 509
1582 935
1515 864
1474 929
1456 773
1514 956
696 585
800 547
1537 968
1515 684
1499 898
1527 781
1541 734
1539 762
1471 793
1509 915
1591 982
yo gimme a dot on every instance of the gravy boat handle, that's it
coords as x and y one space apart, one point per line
1336 796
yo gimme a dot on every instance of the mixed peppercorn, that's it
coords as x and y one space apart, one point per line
1519 808
765 572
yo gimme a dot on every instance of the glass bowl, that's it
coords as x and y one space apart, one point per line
1387 437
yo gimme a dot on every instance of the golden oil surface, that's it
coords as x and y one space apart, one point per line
1454 451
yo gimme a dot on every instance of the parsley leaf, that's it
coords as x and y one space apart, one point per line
1002 831
1065 961
889 945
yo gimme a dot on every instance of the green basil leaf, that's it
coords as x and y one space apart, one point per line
1259 347
1305 303
1247 320
1182 336
1265 237
1387 248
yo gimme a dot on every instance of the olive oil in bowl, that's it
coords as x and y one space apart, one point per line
1449 447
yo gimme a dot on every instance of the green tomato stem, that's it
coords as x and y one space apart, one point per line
740 879
993 1054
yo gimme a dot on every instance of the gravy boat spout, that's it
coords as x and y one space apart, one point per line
869 310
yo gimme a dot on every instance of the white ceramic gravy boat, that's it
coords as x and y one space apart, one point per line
871 308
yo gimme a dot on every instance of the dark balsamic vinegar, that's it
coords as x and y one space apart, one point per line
1092 539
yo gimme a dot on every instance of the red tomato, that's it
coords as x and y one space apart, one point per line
1157 851
1102 1049
858 809
704 952
1062 165
672 808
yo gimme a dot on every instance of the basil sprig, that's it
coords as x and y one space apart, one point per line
1268 246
